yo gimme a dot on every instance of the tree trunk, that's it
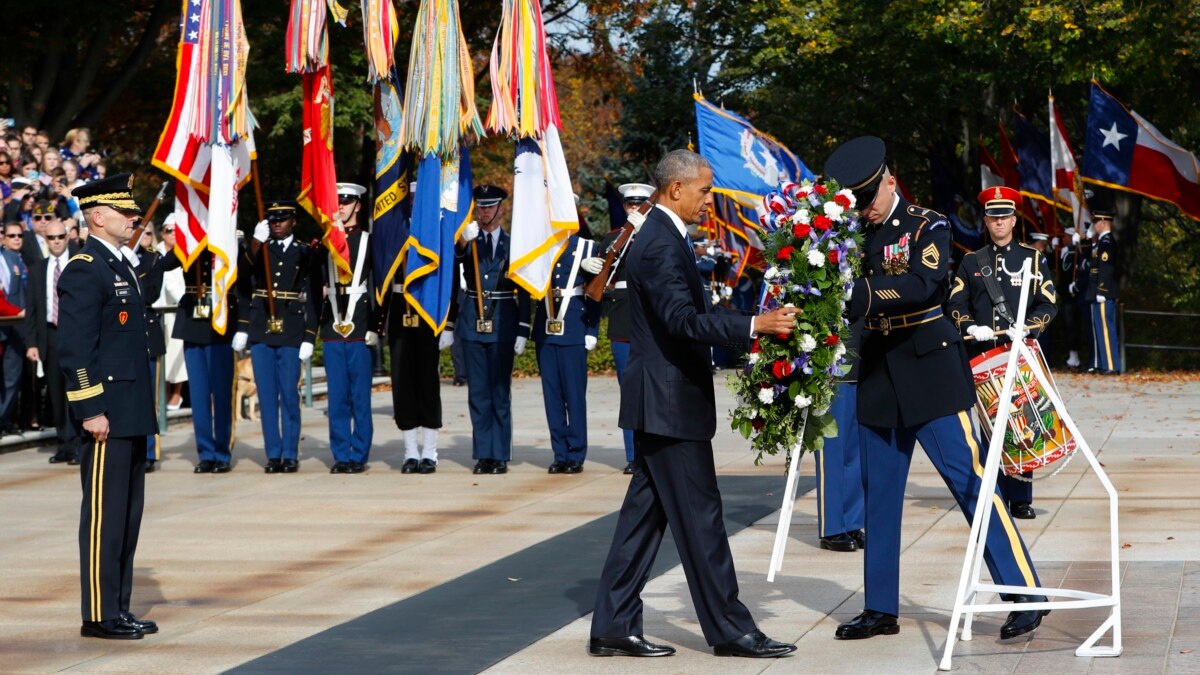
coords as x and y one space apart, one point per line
129 69
1126 230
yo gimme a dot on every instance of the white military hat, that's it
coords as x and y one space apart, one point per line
351 190
635 192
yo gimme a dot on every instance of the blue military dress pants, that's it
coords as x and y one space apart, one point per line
564 391
348 373
210 385
620 352
489 398
277 375
950 444
1106 351
839 472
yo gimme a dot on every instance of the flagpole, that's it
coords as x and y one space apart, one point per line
266 250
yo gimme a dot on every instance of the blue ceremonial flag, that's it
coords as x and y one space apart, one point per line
1033 160
441 208
746 163
393 169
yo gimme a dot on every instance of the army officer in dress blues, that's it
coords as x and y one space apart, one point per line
913 385
1101 296
493 324
106 364
280 327
565 328
984 319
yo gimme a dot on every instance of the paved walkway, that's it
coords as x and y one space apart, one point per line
236 568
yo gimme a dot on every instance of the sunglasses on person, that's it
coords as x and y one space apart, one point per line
12 235
5 162
55 237
43 216
168 230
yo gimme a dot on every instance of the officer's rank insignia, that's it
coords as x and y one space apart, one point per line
345 328
930 256
123 317
895 257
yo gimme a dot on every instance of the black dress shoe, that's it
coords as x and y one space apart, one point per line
499 466
145 625
859 538
557 467
482 466
412 466
428 466
112 629
868 624
1022 622
59 458
151 465
634 645
460 381
290 466
221 467
628 469
205 466
338 467
843 543
73 460
573 467
273 466
754 645
1022 510
355 467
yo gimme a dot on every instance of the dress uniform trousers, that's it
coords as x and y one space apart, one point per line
839 472
1106 351
348 374
489 398
416 383
210 384
156 371
950 444
620 352
277 375
113 473
564 391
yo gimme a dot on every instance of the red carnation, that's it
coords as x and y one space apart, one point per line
822 222
757 423
801 230
833 256
755 347
842 201
820 189
785 253
832 340
781 369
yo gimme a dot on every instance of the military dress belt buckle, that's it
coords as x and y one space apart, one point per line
555 327
274 326
202 310
483 326
344 328
411 321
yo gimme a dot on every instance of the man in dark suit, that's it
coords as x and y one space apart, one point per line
14 279
667 399
106 364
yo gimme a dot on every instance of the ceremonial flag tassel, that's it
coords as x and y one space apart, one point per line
440 88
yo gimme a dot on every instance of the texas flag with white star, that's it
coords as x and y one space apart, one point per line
1125 152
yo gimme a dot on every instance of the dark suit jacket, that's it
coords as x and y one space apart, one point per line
667 388
36 311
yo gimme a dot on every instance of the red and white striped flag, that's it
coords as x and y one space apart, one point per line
1068 187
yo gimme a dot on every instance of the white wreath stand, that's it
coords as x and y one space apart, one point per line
789 504
966 603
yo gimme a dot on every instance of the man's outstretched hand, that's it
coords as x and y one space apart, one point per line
779 321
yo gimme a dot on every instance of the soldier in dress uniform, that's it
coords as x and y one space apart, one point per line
838 466
347 333
913 385
565 329
615 304
1101 295
1071 283
494 325
280 327
150 278
106 364
984 297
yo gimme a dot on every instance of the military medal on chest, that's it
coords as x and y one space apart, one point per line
895 256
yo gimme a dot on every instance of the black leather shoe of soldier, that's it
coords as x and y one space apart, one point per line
482 466
628 469
290 466
754 645
428 466
355 467
221 467
273 466
151 466
573 467
859 538
145 625
73 461
843 543
634 645
204 467
868 624
410 466
1022 510
338 467
59 457
1020 623
112 629
557 467
499 466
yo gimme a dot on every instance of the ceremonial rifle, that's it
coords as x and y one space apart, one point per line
143 223
616 253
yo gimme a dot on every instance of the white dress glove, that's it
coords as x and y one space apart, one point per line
1071 287
1075 239
239 341
592 265
470 232
1016 334
589 342
446 339
1100 299
372 338
306 349
262 231
981 333
636 219
519 346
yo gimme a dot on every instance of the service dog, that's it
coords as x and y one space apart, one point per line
245 398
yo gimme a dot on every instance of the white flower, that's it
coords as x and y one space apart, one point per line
834 210
766 396
816 258
839 351
803 401
847 275
789 304
771 273
802 216
807 343
849 195
753 358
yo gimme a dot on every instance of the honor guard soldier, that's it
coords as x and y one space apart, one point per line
150 268
416 380
565 329
1072 282
839 469
615 304
984 297
913 385
1101 296
347 335
280 328
106 364
494 327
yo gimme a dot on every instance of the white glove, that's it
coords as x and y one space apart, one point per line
589 342
306 349
1100 299
592 265
727 291
636 219
239 341
372 338
446 339
1054 243
1071 287
1016 334
981 333
262 231
470 232
710 251
519 346
1075 238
